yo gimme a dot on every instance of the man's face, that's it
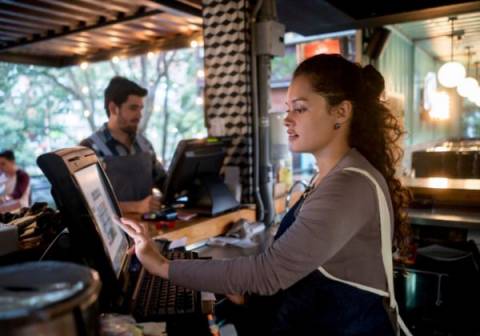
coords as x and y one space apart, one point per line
127 117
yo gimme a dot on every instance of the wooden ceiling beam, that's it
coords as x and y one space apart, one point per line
164 44
33 15
32 59
49 9
87 28
83 8
18 29
37 26
112 5
178 8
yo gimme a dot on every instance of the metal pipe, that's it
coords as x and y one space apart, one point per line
267 13
260 209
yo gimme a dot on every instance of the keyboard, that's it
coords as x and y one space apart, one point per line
157 299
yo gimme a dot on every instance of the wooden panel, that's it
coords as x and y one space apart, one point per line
49 10
91 9
97 29
111 5
200 229
23 23
11 34
34 16
18 28
175 8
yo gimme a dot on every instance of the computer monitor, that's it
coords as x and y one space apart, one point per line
89 208
195 173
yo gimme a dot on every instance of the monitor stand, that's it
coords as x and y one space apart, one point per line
210 196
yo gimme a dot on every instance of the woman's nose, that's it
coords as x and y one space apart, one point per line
287 121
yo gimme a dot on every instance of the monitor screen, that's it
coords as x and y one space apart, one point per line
104 214
195 173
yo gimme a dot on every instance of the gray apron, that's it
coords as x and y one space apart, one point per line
131 176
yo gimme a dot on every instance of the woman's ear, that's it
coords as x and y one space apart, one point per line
343 111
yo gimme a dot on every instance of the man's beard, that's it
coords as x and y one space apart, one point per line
130 130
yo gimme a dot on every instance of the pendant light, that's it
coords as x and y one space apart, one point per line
474 95
451 73
468 86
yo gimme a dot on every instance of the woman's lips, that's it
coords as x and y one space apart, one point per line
292 135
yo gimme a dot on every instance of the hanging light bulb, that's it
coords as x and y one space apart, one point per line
451 73
474 94
468 85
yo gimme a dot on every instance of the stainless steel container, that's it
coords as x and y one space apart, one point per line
49 298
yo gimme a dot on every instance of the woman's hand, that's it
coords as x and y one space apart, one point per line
145 249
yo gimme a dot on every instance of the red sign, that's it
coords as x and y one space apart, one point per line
328 46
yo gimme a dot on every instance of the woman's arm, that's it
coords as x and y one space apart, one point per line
329 218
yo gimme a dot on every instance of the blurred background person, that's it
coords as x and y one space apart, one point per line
16 182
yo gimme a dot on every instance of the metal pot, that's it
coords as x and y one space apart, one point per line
49 298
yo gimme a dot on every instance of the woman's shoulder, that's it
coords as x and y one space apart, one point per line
346 180
22 174
354 159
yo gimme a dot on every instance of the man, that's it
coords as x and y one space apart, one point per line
129 158
16 181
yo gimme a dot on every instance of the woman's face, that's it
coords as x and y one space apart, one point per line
310 125
6 166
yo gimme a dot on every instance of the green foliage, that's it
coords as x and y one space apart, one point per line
283 67
43 109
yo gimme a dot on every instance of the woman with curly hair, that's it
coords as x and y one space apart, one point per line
329 269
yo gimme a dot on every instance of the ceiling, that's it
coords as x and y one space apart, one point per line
434 36
60 32
67 32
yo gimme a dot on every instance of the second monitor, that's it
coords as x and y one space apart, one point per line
194 174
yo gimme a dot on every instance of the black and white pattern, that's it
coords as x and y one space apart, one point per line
227 82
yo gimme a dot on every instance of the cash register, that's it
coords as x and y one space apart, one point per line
89 208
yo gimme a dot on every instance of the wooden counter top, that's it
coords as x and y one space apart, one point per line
199 228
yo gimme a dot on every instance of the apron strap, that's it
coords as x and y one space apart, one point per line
386 241
143 143
99 145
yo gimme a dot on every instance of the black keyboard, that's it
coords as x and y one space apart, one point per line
158 299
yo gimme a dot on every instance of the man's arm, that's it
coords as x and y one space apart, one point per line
145 205
86 143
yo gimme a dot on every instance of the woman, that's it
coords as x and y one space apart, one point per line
16 180
325 266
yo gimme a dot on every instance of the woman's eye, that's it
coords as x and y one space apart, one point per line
299 110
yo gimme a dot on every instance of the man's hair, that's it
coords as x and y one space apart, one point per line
8 154
119 89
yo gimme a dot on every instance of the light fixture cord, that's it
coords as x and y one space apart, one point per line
451 40
469 55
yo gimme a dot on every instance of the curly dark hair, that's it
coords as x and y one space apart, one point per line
374 131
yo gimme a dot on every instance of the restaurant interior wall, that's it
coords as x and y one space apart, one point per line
404 67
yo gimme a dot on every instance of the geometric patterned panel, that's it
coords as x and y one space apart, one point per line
228 103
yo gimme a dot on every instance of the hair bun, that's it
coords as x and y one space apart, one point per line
373 80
